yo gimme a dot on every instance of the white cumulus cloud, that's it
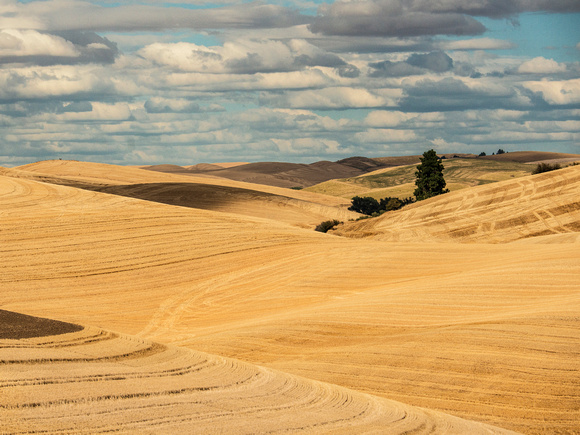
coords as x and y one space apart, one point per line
100 112
541 65
477 44
19 43
558 92
383 118
383 135
331 98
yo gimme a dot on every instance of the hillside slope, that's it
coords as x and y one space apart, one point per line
95 381
533 206
461 171
487 332
293 207
100 174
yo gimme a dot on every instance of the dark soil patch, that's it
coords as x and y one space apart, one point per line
16 326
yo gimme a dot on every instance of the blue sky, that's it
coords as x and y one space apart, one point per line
185 82
540 34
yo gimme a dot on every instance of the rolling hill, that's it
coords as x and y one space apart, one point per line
448 315
280 174
295 207
357 175
538 205
399 181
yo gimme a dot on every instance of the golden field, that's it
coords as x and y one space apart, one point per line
211 306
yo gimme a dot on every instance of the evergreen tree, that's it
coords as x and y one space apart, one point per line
430 181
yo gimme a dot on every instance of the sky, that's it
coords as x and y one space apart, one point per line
141 82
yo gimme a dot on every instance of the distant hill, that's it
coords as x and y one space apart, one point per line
412 160
281 174
534 157
175 187
174 169
201 167
301 175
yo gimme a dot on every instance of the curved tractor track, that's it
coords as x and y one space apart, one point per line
93 381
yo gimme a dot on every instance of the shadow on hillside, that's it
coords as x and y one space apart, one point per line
16 326
192 195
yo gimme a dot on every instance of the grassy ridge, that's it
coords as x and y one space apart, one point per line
400 181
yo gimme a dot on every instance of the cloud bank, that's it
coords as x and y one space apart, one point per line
142 82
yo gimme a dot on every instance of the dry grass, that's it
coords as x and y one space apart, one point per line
486 332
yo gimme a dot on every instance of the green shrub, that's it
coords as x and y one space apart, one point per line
388 204
371 207
325 226
365 205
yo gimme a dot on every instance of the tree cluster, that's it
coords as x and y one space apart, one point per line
371 207
545 167
500 151
429 182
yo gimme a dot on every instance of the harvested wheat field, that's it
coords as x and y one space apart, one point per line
97 381
459 314
303 209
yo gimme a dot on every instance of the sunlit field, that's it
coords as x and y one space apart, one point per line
138 301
